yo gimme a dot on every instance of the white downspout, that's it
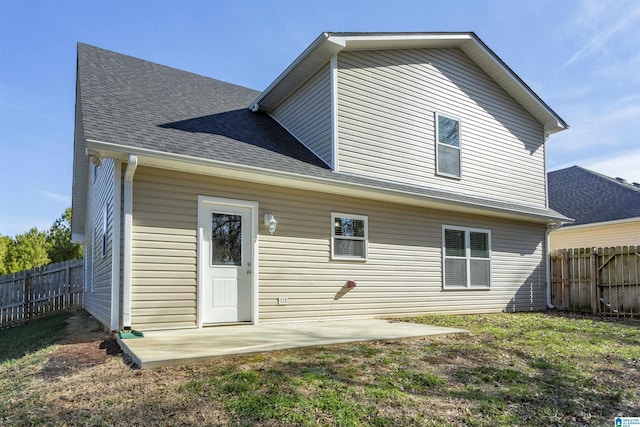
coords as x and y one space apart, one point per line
115 246
547 242
128 237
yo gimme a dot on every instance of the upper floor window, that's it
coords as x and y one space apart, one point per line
448 146
467 257
349 236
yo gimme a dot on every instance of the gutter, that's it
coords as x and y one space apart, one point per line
151 157
255 105
132 164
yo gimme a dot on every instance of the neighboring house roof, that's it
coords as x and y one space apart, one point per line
590 197
329 44
127 106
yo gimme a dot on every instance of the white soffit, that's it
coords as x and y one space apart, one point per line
182 163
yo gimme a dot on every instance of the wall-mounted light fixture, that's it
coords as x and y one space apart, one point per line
270 221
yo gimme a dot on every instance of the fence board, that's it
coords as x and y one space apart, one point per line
602 280
36 292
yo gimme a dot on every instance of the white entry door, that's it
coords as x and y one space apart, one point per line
226 264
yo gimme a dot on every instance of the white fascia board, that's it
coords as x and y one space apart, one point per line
296 69
479 52
400 41
513 84
183 163
469 43
597 224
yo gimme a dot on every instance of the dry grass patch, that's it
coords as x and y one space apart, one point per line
515 369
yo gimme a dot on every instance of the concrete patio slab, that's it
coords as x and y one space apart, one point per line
177 347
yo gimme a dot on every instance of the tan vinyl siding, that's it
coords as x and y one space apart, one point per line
386 106
97 297
401 276
617 234
307 114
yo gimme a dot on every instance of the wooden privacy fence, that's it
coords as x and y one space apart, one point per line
32 293
599 280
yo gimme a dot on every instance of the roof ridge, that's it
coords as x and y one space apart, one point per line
398 33
625 184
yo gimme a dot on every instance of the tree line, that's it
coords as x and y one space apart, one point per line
36 248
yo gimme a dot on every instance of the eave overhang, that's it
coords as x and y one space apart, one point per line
183 163
330 44
570 227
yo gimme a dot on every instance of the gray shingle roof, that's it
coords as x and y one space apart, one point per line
140 104
137 103
590 197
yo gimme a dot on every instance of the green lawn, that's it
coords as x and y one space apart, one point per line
30 338
528 369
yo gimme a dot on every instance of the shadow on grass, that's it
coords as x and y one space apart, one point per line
17 341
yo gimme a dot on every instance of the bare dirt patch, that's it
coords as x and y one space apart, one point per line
86 344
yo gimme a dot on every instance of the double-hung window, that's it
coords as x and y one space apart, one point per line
448 156
466 258
349 236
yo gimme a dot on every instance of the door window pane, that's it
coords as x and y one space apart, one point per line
226 239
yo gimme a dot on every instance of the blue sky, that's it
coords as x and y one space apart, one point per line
581 56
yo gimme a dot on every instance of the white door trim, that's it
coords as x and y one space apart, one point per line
203 263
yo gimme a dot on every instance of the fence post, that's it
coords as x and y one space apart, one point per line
27 295
566 279
67 283
595 305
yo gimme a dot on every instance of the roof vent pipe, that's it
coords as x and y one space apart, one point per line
636 184
621 180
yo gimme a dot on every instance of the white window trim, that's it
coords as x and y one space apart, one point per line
364 218
437 141
467 257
